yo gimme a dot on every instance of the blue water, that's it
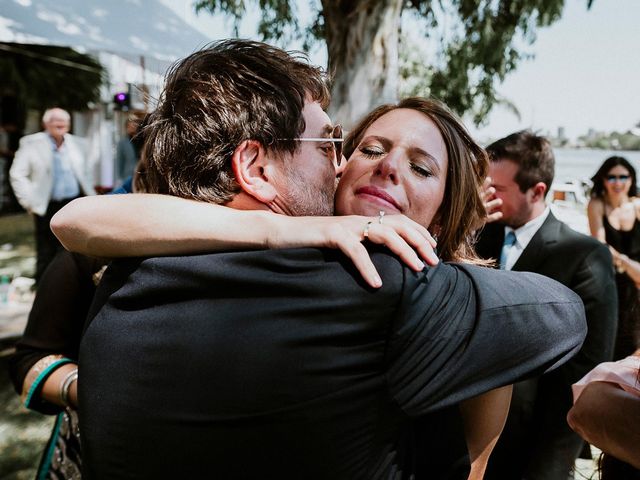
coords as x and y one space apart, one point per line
578 164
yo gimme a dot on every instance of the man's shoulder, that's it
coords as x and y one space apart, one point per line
33 138
580 241
313 280
325 268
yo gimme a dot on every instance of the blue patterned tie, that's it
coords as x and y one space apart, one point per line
509 242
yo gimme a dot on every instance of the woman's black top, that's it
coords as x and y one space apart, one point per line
628 336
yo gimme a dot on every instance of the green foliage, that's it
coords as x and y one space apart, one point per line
279 21
483 49
43 76
612 141
481 45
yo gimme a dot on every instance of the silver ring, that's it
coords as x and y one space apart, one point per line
380 216
366 229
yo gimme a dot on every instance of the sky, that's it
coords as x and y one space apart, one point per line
585 73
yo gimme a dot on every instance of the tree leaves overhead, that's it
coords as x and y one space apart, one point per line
485 49
43 76
279 21
482 43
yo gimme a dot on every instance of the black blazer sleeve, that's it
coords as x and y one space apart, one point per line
464 330
594 282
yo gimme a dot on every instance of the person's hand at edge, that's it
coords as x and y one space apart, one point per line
491 203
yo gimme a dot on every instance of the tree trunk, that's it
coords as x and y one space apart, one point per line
362 41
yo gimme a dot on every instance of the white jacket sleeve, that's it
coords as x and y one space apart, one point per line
20 175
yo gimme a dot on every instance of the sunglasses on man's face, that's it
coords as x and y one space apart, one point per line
618 178
336 140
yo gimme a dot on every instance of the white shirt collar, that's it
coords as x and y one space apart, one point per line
524 234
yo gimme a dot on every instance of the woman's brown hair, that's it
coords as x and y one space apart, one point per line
462 208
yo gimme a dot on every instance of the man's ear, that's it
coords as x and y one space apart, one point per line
254 170
539 191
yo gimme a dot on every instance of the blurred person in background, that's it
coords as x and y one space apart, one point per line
614 219
537 442
128 150
49 170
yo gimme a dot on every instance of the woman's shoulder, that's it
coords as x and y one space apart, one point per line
596 206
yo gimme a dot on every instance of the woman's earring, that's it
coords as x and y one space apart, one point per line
435 231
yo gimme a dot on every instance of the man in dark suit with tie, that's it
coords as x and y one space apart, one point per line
537 442
284 364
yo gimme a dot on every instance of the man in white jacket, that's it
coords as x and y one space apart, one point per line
49 170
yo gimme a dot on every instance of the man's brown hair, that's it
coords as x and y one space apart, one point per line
533 155
228 92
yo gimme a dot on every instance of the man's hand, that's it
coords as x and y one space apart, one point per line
491 203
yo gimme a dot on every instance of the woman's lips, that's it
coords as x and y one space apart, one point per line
378 196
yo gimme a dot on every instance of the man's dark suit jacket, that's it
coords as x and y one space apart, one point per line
284 364
537 442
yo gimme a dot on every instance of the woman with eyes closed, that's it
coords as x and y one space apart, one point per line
614 219
413 159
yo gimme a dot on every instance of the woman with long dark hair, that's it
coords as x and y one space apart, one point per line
614 219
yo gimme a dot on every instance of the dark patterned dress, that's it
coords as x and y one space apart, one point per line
627 242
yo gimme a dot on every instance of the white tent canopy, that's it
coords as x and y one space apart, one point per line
123 27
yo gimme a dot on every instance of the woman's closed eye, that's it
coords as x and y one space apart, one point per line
372 152
421 170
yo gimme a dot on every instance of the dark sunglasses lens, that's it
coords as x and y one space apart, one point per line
613 178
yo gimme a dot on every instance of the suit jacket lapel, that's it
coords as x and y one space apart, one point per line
533 255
